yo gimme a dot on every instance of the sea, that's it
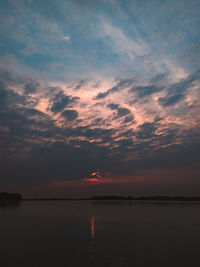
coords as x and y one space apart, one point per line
100 234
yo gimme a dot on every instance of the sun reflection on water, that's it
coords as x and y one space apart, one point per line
92 228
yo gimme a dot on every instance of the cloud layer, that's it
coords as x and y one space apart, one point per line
98 95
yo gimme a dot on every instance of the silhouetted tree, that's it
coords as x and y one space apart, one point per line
10 196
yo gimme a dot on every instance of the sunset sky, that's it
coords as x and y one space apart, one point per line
99 97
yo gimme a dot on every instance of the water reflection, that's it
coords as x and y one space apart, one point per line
10 204
92 243
79 234
92 227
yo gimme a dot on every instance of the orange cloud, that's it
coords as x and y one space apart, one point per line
91 180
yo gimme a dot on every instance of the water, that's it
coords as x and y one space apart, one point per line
84 233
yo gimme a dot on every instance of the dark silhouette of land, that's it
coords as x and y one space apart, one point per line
5 196
148 198
121 198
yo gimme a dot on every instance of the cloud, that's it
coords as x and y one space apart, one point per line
3 93
146 130
124 45
121 84
80 84
170 99
66 37
122 112
145 90
102 95
177 92
113 106
60 101
31 87
70 114
128 119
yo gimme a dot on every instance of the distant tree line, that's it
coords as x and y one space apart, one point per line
149 198
4 196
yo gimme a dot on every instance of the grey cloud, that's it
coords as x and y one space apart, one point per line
31 87
145 90
92 133
26 122
9 78
170 100
122 112
39 152
9 98
146 130
101 95
113 106
80 84
128 119
97 84
177 91
70 114
59 159
122 84
195 75
174 94
98 122
60 101
126 142
159 78
5 75
3 92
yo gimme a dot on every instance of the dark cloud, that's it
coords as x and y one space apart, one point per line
105 134
102 95
177 91
159 78
97 121
145 90
33 146
174 94
70 114
5 75
146 130
24 122
97 84
80 84
113 106
194 76
3 92
124 143
31 87
41 160
122 112
170 99
9 98
60 101
129 118
122 84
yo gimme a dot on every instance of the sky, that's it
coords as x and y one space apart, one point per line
99 97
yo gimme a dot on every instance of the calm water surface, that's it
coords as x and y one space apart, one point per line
84 233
